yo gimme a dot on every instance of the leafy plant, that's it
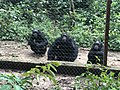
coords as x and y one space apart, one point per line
14 82
91 81
51 17
45 71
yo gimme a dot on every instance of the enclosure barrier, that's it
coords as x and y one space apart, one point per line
69 68
107 31
66 68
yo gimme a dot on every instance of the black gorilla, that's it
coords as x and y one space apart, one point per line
38 42
63 49
96 53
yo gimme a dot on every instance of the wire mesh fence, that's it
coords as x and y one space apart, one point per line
71 31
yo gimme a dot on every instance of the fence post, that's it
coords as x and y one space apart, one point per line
107 32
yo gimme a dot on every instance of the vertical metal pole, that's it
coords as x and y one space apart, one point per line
71 14
107 32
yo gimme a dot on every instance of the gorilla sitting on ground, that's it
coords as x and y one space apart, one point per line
96 53
38 42
63 49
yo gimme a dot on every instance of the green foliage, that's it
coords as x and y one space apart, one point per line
56 87
46 71
93 82
23 83
114 40
84 20
14 82
58 8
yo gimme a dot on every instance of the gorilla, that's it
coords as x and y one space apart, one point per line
96 53
63 49
38 42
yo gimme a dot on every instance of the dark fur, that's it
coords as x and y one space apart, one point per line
38 42
63 49
96 50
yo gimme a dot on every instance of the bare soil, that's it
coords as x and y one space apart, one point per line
21 52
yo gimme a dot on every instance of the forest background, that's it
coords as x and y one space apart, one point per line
83 20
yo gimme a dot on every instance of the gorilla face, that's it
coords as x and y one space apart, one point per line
97 46
35 33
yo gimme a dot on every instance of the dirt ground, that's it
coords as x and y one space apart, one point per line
16 51
10 50
21 52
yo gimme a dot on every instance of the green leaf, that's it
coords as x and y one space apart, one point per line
48 66
17 87
53 67
51 73
52 78
44 68
6 87
8 78
38 77
26 82
17 79
37 70
38 66
56 63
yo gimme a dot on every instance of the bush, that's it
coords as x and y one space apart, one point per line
86 24
94 82
25 82
14 82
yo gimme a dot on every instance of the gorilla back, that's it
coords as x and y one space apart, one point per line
96 53
63 49
38 42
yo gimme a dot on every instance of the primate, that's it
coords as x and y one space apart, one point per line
96 53
63 49
38 42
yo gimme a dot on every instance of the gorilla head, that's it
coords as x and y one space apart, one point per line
97 46
36 34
